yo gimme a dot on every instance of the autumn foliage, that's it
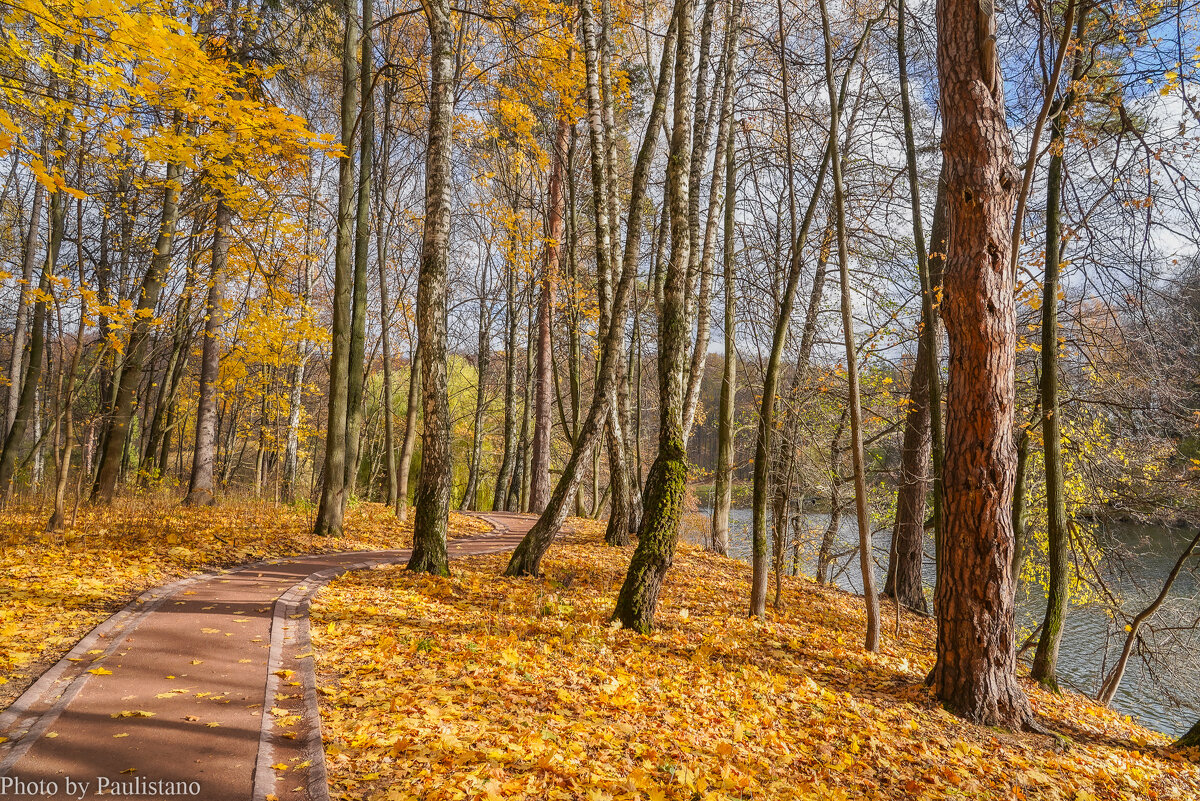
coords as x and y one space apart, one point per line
484 687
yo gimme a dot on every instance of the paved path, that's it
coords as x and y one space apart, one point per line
166 699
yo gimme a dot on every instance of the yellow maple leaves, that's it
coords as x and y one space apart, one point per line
485 687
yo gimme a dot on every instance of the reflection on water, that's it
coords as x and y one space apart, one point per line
1152 689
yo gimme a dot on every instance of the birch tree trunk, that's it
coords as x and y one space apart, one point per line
658 530
433 488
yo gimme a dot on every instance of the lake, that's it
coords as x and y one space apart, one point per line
1153 690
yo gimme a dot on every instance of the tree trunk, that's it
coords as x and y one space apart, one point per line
20 328
410 431
865 552
385 310
922 431
332 507
723 480
539 492
975 673
135 350
433 488
666 485
1045 659
527 558
356 375
508 458
200 485
27 399
470 499
904 579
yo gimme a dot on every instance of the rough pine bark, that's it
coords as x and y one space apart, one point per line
433 488
975 673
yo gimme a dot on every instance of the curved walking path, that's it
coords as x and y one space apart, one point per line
204 688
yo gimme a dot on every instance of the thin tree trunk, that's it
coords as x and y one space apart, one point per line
200 486
135 350
762 448
27 400
356 375
20 329
410 431
905 581
1112 682
527 558
1045 659
433 488
470 499
865 551
385 310
508 457
539 493
975 673
666 485
332 507
723 480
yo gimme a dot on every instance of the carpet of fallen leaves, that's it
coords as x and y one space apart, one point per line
482 687
54 589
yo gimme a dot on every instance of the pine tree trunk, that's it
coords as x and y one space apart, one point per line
975 673
433 488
